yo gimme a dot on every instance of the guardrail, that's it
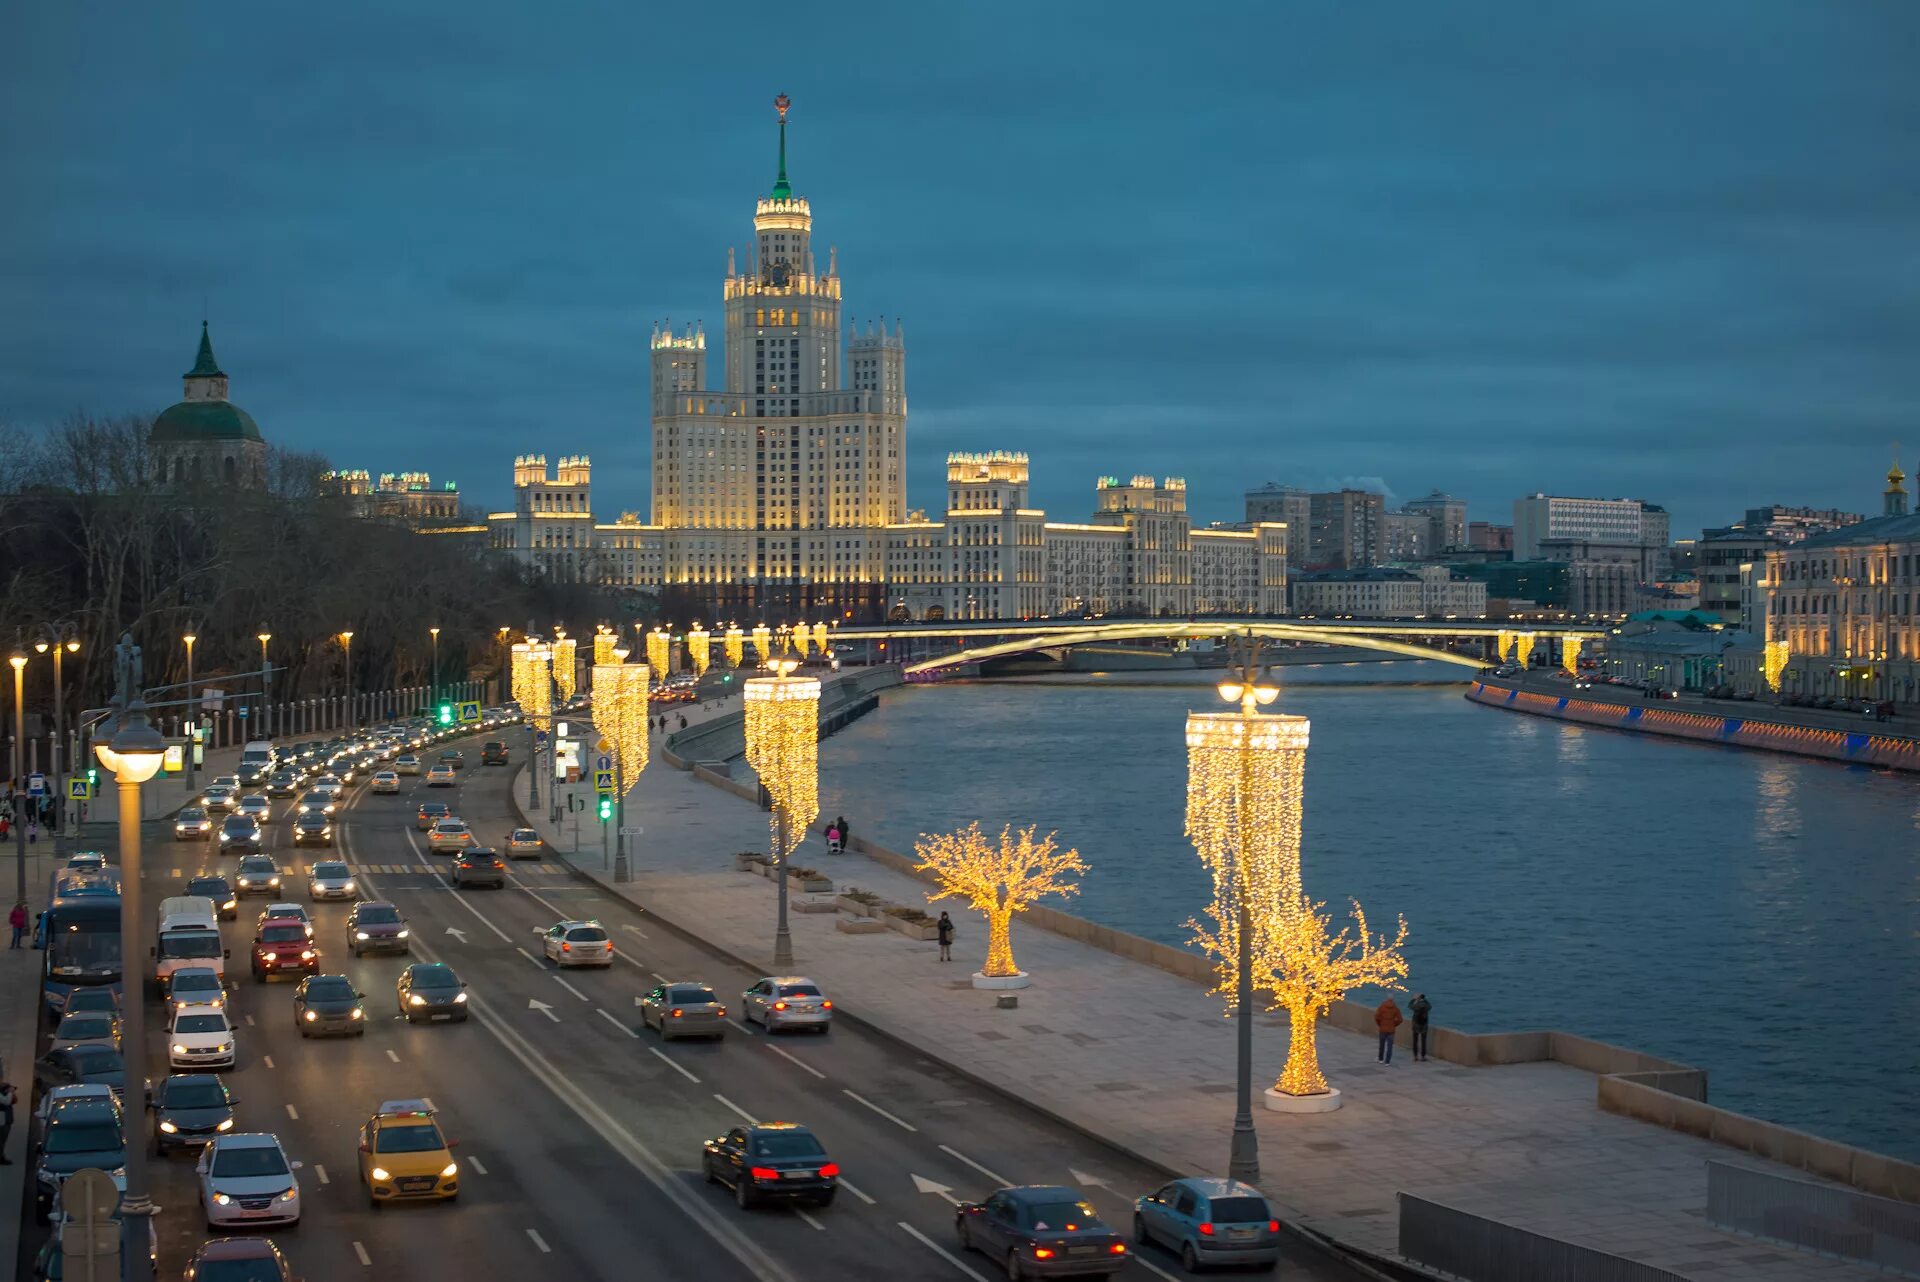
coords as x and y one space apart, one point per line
1815 1217
1483 1250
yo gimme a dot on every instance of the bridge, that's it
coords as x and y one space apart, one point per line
1489 641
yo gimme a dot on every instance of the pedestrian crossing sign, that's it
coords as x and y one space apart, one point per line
469 712
603 781
80 788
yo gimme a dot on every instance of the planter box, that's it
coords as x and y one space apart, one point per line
812 906
858 907
912 929
859 926
813 885
749 863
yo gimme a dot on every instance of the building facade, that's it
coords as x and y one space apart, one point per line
205 439
408 498
1390 592
1541 517
1288 505
1346 530
1446 522
550 529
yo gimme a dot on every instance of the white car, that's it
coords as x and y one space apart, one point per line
318 801
87 861
245 1178
450 834
328 784
577 943
296 911
256 807
331 880
200 1037
787 1001
196 988
385 781
407 764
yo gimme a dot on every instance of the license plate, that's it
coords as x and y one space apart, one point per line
1083 1250
442 1015
797 1175
1240 1234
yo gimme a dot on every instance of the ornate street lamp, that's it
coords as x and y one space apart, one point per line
266 678
783 747
433 675
19 661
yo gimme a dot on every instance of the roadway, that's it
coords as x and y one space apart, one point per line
580 1133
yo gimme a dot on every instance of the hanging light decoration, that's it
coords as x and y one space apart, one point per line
1774 663
603 642
763 643
697 641
1570 654
565 668
736 647
1523 647
820 638
1502 643
532 682
620 713
659 651
783 747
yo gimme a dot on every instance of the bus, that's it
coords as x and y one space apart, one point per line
80 935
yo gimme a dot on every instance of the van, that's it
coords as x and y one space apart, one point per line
189 936
256 761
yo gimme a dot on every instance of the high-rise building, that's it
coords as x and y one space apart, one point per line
1346 530
550 529
1447 517
1289 505
1539 517
1406 536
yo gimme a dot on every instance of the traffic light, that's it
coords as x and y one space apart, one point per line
446 714
606 809
93 777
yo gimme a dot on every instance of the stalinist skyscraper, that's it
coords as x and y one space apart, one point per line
771 494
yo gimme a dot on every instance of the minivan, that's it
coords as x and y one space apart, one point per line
189 935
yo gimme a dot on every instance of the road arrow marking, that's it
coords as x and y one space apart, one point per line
924 1185
457 933
636 930
543 1008
1081 1177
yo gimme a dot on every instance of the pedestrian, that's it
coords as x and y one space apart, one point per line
944 928
7 1095
840 822
18 920
1421 1009
683 721
1387 1018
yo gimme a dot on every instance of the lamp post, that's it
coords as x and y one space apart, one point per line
783 747
346 644
19 661
59 639
533 691
193 715
266 680
433 674
133 751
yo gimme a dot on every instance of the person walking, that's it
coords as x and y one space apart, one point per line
840 822
1421 1009
833 840
1387 1018
18 920
7 1096
944 929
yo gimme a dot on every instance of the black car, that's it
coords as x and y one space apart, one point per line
479 866
493 753
80 1136
1040 1231
455 758
431 991
284 783
374 926
82 1066
240 833
325 1004
771 1161
220 891
189 1109
313 829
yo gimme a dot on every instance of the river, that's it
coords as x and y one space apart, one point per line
1751 914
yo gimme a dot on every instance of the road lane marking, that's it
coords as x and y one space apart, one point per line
361 1251
861 1099
320 1173
749 1117
390 1055
249 1021
657 975
809 1219
536 1004
478 1169
668 1059
570 988
293 1113
1151 1267
955 1153
615 1021
267 1060
540 1242
529 956
429 1104
795 1060
856 1192
636 930
742 1027
941 1251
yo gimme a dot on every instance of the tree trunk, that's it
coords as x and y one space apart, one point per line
1302 1075
1000 943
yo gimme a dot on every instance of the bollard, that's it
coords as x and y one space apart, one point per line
1008 1001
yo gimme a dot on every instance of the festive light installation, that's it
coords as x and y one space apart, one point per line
802 638
1774 663
783 747
1307 970
763 643
1570 654
603 643
1523 648
820 639
532 684
697 640
735 647
659 651
620 714
999 878
565 666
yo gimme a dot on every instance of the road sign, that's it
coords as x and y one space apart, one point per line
603 781
89 1235
469 712
175 759
36 785
603 761
562 728
539 736
243 712
80 789
631 830
210 699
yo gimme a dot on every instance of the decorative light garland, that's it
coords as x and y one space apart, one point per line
1523 647
565 666
1774 663
620 713
1570 654
820 639
532 682
659 652
1502 642
783 747
999 878
603 643
697 641
736 647
763 642
1307 970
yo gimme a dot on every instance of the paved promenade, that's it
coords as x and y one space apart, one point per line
1144 1059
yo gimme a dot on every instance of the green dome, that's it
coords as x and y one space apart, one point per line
205 421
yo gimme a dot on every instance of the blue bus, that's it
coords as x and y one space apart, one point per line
80 934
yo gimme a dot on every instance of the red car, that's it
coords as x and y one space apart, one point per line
283 945
255 1258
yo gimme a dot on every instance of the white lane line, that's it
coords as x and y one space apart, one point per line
570 988
540 1242
390 1055
249 1021
795 1061
1150 1266
861 1099
657 975
615 1021
746 1116
957 1155
320 1173
478 1169
529 956
293 1113
267 1060
742 1027
668 1059
856 1192
801 1212
636 930
361 1251
941 1251
479 916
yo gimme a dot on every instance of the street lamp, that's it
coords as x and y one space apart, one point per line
59 639
433 674
193 715
133 751
783 747
19 661
346 644
266 678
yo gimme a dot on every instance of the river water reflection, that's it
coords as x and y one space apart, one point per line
1748 913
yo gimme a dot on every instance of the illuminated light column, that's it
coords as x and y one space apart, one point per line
1570 654
1523 648
604 642
533 691
783 747
266 679
820 639
660 652
736 647
763 642
620 713
697 642
19 661
1502 642
565 664
1774 663
433 677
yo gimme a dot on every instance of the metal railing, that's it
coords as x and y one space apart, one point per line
1825 1218
1483 1250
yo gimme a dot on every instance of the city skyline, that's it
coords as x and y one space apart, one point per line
483 274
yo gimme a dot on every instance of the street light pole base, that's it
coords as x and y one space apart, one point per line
1019 979
1281 1102
782 950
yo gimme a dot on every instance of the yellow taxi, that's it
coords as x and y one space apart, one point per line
404 1156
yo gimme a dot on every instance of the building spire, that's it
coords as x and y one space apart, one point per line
204 366
782 189
1896 488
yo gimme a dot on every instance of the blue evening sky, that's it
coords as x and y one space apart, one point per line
1622 247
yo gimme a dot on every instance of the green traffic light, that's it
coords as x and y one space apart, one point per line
446 714
606 809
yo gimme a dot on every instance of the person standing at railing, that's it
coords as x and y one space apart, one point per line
1422 1010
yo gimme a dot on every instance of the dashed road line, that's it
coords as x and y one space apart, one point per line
249 1021
801 1212
530 957
942 1252
856 1192
361 1252
749 1117
540 1242
1151 1267
795 1060
293 1113
478 1169
615 1021
320 1173
677 1067
267 1060
390 1055
657 975
861 1099
570 988
957 1155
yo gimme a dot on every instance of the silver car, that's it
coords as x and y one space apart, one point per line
256 807
787 1001
330 880
684 1010
576 943
87 1028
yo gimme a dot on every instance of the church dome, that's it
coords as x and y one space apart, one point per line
205 421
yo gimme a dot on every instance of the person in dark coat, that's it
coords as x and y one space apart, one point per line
841 824
1421 1009
944 928
7 1099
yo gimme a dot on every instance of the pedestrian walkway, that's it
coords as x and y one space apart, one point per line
19 1032
1144 1059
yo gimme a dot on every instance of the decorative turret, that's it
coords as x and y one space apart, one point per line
782 189
206 438
205 381
1896 488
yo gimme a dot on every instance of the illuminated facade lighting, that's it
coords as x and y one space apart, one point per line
999 878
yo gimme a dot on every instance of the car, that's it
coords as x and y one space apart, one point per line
225 781
189 1109
493 753
1209 1221
430 991
374 926
200 1038
283 944
238 1259
315 802
431 813
255 806
771 1161
441 776
219 890
406 764
241 832
50 1265
196 987
87 861
455 758
683 1010
330 786
285 909
283 783
329 1004
404 1155
192 824
312 830
245 1178
479 866
576 943
257 875
82 1134
55 1098
450 834
787 1001
86 1028
524 843
330 880
384 781
101 998
1040 1231
220 797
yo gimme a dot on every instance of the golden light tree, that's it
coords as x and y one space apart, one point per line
736 647
1523 648
1307 969
697 641
1774 663
659 651
1502 642
1570 654
999 878
802 638
763 642
783 747
820 638
566 672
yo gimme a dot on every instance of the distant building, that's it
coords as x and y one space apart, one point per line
205 439
550 529
410 498
1390 592
1541 517
1446 521
1718 563
1535 583
1483 536
1346 529
1673 649
1406 536
1289 505
1788 524
1603 578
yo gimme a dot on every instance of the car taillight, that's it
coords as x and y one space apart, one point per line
676 1012
567 948
1273 1226
826 1005
830 1171
1206 1230
779 1005
1118 1248
763 1173
1043 1253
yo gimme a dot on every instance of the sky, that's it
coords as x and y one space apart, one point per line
1670 251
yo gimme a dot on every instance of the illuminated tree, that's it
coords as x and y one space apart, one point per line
1570 654
1775 660
1306 969
1523 648
998 878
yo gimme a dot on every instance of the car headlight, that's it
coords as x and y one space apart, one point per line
306 954
358 1013
273 881
416 1000
178 1049
231 903
311 1017
224 1048
451 1169
459 997
289 1195
347 885
401 935
224 836
223 1199
169 1128
361 934
226 1124
380 1173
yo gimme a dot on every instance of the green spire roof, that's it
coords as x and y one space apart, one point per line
204 366
782 189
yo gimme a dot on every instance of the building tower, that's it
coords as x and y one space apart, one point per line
1896 496
206 439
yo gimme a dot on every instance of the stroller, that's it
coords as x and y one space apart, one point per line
833 841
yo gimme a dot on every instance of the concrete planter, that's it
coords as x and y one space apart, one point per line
750 863
858 907
911 929
1019 979
858 926
1281 1102
814 885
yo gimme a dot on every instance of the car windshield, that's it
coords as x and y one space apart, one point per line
1238 1210
84 948
283 934
195 981
377 916
242 1163
525 834
688 996
91 999
192 814
799 990
87 1024
82 1137
259 865
237 823
190 1094
259 1268
586 934
200 1024
434 977
211 887
420 1137
329 870
190 943
786 1144
1063 1216
333 988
